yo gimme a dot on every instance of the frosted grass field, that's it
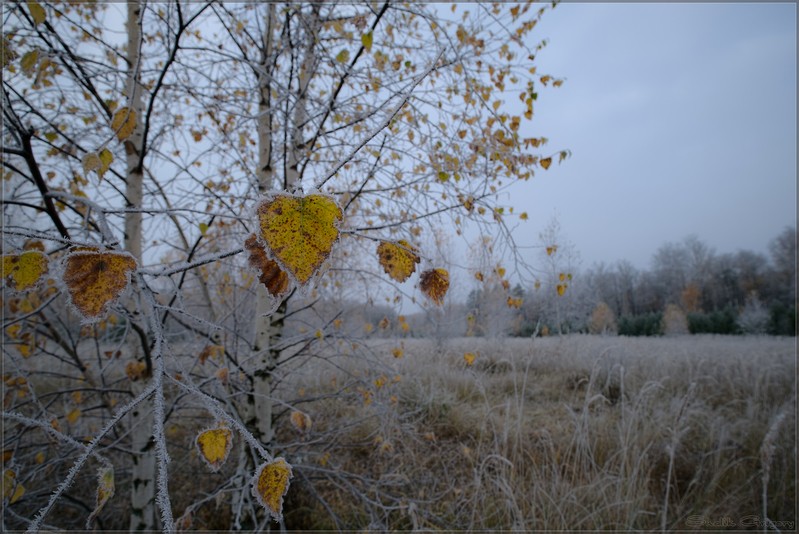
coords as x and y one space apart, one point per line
580 432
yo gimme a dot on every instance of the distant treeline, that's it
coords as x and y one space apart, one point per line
688 289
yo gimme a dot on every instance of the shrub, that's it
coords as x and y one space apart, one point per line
717 322
782 320
754 317
674 322
603 320
647 324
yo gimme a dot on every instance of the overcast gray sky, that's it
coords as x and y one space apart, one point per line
681 119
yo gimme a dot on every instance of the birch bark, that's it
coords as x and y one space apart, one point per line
143 472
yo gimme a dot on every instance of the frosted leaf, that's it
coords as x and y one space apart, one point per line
270 484
95 280
214 446
435 283
299 232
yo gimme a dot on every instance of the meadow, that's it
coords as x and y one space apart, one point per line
579 432
558 433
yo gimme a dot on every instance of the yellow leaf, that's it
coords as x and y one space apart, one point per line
270 274
7 54
105 490
469 204
366 40
562 277
435 283
523 216
106 159
552 249
397 352
124 122
22 272
39 458
545 163
29 60
214 446
299 232
95 280
343 56
561 289
12 490
37 12
270 484
300 421
203 228
91 162
136 370
469 358
216 352
397 259
73 416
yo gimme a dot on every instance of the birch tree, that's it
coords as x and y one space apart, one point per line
150 184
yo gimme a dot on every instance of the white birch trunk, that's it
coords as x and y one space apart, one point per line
257 411
143 472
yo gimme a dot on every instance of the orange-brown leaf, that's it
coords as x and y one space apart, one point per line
270 274
95 280
300 421
435 283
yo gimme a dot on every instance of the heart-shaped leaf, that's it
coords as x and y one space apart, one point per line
299 232
96 279
214 446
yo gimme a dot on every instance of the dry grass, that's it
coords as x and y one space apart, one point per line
581 432
568 433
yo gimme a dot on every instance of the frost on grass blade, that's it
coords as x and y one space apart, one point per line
95 280
270 484
397 259
299 232
435 283
22 272
105 490
214 446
